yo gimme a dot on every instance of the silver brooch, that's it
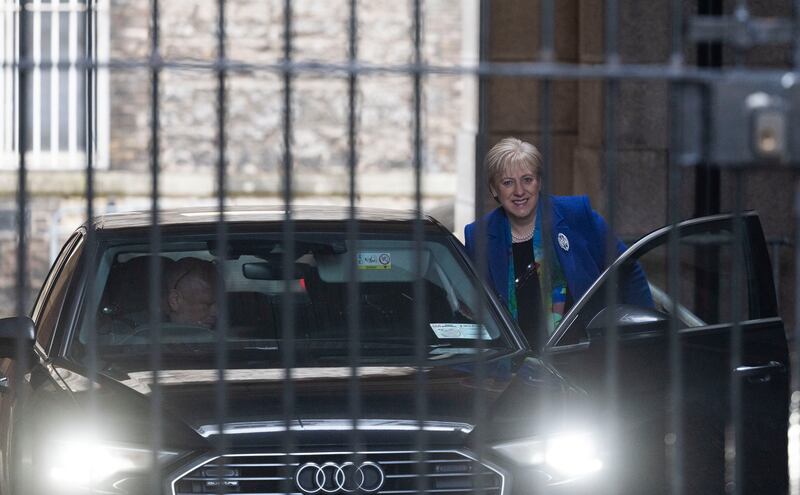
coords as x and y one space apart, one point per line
563 241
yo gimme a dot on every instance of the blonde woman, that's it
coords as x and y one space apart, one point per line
515 244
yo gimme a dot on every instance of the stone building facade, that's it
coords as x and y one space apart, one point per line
641 117
254 113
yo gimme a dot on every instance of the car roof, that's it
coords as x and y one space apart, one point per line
252 214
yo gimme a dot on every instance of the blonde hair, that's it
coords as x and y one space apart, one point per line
509 152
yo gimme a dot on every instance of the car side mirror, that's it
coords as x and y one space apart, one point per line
12 329
629 320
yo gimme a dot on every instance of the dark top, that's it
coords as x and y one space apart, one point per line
528 290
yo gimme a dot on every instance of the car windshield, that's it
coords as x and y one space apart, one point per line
266 299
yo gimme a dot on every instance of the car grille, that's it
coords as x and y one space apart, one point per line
447 472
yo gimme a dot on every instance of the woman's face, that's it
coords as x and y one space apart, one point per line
517 189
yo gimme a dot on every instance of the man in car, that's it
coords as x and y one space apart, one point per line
190 292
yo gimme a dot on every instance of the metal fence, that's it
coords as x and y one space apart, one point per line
735 120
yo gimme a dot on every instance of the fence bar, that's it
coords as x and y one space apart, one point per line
288 329
794 335
794 418
222 253
354 314
546 184
546 322
555 70
22 212
420 302
154 295
610 167
22 276
674 438
734 452
91 318
481 148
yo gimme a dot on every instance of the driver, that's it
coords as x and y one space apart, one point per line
190 296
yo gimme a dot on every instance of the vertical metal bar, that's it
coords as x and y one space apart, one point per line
547 324
22 279
481 148
610 138
546 54
155 291
222 249
90 234
674 437
22 205
707 195
421 404
735 454
287 308
547 28
354 313
794 417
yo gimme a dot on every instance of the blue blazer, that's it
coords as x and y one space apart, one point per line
582 263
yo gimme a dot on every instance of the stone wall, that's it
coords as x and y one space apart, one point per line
254 126
254 119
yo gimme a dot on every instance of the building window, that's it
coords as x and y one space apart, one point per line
54 42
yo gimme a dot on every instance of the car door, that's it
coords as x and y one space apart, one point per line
48 313
710 311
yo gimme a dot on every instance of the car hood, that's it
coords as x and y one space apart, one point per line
508 392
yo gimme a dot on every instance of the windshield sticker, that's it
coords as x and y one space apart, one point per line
460 331
374 261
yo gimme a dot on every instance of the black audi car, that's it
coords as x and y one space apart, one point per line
437 391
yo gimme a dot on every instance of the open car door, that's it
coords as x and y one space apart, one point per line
708 307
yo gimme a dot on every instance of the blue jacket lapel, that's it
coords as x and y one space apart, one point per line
565 257
498 247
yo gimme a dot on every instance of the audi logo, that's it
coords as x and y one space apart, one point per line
331 477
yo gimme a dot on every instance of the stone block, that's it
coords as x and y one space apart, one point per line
770 192
515 105
640 197
590 31
641 110
644 31
516 30
590 113
642 115
587 176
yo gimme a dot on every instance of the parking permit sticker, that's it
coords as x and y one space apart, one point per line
374 261
460 331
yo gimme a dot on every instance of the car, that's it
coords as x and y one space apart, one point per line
365 355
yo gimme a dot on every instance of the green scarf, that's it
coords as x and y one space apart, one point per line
556 298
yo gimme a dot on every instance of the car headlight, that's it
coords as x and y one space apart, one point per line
568 455
85 463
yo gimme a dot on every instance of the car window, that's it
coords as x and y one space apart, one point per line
254 281
52 297
705 271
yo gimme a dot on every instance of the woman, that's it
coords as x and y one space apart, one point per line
515 246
